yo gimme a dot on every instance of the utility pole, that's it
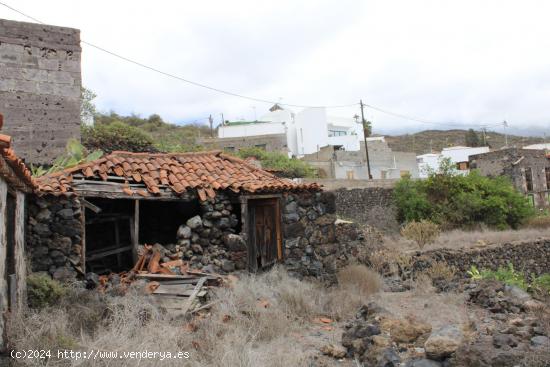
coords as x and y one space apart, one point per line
211 121
365 133
505 124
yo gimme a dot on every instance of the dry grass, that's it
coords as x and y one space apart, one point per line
469 239
252 322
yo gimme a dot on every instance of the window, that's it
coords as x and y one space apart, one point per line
336 133
462 166
350 175
547 171
529 179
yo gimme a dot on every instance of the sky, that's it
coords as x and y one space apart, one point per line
450 64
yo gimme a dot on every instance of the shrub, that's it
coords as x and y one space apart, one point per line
441 271
541 284
507 275
422 232
43 291
538 222
455 201
361 278
117 136
287 167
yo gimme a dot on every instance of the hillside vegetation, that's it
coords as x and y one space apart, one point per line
438 139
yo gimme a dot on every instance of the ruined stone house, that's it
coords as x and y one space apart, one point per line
15 183
528 170
213 210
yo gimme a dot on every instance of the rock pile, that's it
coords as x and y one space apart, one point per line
209 241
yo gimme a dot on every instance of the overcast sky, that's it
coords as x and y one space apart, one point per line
458 62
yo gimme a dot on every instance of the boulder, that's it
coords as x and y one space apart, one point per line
334 351
443 342
184 232
291 207
388 358
422 363
234 242
228 266
503 340
66 213
540 341
43 215
405 331
194 222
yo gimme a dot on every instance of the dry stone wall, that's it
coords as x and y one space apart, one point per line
39 87
54 236
357 204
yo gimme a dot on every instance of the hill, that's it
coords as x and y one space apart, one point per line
421 142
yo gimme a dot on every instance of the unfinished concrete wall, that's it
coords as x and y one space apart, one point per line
39 87
271 143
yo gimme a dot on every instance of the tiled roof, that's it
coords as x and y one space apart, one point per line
204 171
12 168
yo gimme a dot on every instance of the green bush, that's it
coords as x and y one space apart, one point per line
117 136
508 275
454 201
541 284
287 167
43 291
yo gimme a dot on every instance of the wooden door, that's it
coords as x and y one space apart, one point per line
264 246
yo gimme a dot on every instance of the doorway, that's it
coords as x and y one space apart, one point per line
264 233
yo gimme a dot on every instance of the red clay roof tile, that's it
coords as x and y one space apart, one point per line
204 171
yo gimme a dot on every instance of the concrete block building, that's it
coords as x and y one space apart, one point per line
40 86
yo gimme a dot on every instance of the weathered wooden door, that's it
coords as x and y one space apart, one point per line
264 247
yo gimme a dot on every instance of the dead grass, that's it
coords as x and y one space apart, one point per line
251 323
458 239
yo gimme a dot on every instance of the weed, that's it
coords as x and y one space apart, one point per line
422 232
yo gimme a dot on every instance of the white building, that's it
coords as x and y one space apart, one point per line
306 131
458 155
543 146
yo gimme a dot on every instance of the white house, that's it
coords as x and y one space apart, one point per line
306 131
543 146
458 155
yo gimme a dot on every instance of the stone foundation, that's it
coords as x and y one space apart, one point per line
54 235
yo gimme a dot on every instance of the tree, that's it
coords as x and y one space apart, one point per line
87 106
472 139
286 167
117 136
368 128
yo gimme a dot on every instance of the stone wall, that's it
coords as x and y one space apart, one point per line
356 204
313 244
54 235
530 257
209 241
39 87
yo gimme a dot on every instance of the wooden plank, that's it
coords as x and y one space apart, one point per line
19 252
193 295
181 281
278 215
112 251
175 289
172 277
96 209
12 285
3 254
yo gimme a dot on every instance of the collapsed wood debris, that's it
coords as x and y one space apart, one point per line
176 288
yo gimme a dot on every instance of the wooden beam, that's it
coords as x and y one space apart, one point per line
278 215
135 229
3 253
108 193
193 295
12 280
19 251
108 252
96 209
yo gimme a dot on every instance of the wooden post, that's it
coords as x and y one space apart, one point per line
12 286
83 240
278 229
19 252
3 252
135 231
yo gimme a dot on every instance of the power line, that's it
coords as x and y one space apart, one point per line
170 75
222 91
